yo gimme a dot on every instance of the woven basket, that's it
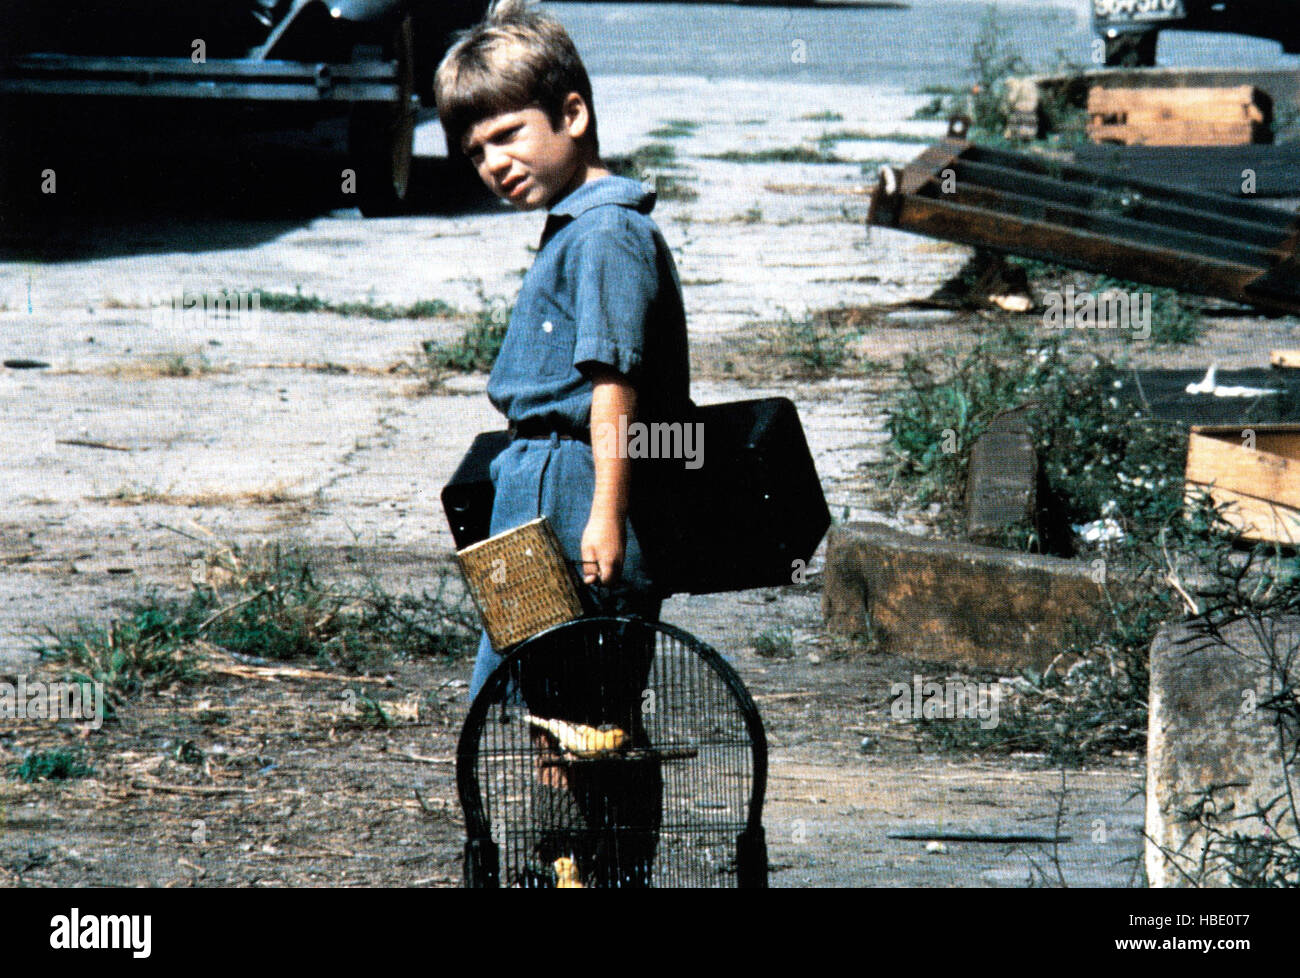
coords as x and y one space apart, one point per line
520 582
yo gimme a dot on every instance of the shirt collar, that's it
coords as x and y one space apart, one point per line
606 190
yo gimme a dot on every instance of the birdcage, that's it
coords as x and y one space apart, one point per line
613 752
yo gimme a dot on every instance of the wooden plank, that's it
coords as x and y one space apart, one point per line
1175 114
1181 101
1179 134
1270 470
1286 359
1039 239
1260 485
1257 519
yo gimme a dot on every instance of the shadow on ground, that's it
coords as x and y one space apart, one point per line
113 187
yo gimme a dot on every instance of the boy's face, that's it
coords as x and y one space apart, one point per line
523 160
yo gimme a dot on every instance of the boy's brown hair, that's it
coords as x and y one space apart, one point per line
516 58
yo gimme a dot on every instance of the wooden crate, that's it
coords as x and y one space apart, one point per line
1260 485
1180 116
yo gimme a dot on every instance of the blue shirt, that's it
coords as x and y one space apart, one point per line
602 289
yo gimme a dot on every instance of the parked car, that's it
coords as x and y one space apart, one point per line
291 61
1130 28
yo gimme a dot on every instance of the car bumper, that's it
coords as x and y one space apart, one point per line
213 80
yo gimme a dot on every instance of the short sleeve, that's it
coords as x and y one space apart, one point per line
615 283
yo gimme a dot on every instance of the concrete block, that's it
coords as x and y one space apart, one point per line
1207 730
1001 486
955 602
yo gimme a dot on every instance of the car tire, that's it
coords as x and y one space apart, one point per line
1132 50
381 140
23 153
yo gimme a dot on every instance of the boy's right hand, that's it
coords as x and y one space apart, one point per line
604 546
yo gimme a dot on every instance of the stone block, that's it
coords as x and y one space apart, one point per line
956 603
1003 479
1210 738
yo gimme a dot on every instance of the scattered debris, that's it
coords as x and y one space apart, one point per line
1210 385
1100 531
1086 218
938 838
86 443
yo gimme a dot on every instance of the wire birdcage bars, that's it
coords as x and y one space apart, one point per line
613 752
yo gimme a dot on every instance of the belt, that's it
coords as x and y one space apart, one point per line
544 428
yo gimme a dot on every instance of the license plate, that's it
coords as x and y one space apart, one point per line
1137 10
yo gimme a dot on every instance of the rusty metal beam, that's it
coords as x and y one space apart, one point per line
1087 218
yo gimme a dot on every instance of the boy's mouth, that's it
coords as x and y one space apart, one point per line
513 187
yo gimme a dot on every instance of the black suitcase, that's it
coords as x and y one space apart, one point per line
749 516
467 498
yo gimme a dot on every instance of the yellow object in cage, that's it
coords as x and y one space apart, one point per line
580 739
566 874
520 582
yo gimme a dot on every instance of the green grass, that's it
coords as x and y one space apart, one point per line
147 647
674 129
994 61
774 643
644 158
1093 448
474 350
826 116
657 162
60 764
297 302
272 606
937 108
861 135
1176 318
813 343
779 154
179 366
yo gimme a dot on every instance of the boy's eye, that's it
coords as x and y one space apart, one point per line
507 135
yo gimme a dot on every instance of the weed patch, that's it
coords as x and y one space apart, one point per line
60 764
268 605
656 162
297 302
779 154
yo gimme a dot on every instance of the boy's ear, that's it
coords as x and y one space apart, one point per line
576 115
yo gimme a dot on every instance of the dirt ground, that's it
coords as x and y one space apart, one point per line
311 428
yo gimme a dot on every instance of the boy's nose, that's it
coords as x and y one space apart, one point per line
497 163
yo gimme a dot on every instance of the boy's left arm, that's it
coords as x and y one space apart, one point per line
604 541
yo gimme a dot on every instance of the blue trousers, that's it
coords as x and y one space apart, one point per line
556 478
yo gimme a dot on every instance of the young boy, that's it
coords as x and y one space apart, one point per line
598 332
597 338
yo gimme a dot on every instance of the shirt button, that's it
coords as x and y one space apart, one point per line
547 326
